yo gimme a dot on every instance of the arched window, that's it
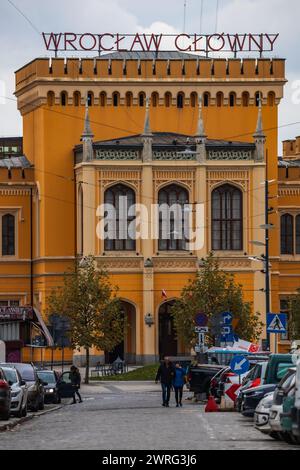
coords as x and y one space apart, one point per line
64 98
271 98
90 98
193 99
206 99
76 98
232 99
287 234
257 98
219 99
245 98
128 98
168 99
116 99
142 99
180 100
102 98
120 226
50 98
227 218
298 235
154 99
8 235
173 218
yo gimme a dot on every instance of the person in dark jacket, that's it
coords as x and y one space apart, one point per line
165 375
75 378
178 383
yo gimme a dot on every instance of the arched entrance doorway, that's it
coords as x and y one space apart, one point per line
168 344
126 350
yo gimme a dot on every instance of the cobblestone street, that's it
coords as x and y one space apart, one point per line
129 416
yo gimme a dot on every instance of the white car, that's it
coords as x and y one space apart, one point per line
262 412
287 383
19 391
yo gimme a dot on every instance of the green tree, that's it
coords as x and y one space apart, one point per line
90 304
294 316
213 291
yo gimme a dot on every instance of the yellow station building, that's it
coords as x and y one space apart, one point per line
156 128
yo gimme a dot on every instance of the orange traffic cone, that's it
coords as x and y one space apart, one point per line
211 406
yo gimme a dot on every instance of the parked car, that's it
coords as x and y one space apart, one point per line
5 397
252 397
19 392
49 379
199 377
214 384
282 390
36 391
296 408
287 418
65 389
254 378
262 413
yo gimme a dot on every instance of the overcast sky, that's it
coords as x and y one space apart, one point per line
20 42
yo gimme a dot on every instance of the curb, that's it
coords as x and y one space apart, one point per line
9 426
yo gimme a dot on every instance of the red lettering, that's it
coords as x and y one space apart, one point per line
236 44
55 38
257 43
217 37
70 41
85 35
137 40
155 39
101 47
117 42
268 36
195 42
181 49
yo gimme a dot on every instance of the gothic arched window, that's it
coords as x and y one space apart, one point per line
287 234
120 217
8 235
227 218
173 218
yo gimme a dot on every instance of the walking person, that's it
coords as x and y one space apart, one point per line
165 375
178 383
75 378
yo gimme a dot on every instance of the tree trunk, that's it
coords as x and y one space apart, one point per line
87 365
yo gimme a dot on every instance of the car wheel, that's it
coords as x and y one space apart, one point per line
24 411
19 413
58 399
275 435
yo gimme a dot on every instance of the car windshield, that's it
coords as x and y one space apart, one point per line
46 376
11 375
27 373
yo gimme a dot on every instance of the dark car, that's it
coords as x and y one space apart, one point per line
65 388
36 391
49 379
200 376
214 384
252 397
5 397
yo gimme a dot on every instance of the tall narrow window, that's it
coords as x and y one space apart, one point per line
257 98
102 98
154 99
8 235
50 98
232 99
206 99
128 99
271 98
168 99
194 99
120 216
180 100
227 218
63 98
245 98
173 218
76 98
80 220
116 99
287 234
219 99
142 99
90 98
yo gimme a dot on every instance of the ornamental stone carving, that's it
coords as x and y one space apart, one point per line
117 155
168 155
130 176
231 155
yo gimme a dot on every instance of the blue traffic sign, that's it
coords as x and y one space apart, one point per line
239 365
276 323
226 330
227 318
201 319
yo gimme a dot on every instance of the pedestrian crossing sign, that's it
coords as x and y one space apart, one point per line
276 322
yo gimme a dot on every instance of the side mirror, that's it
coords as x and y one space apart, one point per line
22 383
10 383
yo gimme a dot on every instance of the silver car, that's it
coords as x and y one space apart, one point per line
19 391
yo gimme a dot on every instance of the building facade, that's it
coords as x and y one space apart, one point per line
154 128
